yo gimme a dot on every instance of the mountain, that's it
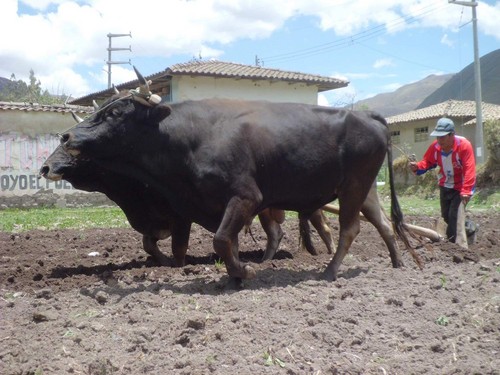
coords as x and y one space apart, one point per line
404 99
4 82
461 86
437 89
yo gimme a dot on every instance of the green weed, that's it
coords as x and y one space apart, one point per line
442 321
269 360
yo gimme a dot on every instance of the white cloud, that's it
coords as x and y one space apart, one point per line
382 63
447 41
488 16
65 42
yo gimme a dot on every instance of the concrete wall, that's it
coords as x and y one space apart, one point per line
27 138
51 198
185 87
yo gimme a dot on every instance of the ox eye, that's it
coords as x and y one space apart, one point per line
116 112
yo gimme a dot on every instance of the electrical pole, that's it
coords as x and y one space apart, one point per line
477 78
110 49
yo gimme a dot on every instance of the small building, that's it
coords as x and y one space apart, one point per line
200 79
28 135
410 131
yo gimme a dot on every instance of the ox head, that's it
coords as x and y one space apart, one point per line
118 124
80 173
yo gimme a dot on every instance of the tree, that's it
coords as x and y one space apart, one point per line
20 91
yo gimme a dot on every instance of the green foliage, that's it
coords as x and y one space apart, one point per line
269 360
488 175
20 91
219 264
18 220
442 321
442 279
492 135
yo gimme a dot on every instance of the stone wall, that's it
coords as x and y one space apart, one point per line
47 198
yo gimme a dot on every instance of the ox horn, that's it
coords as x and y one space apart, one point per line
115 90
144 87
96 106
75 116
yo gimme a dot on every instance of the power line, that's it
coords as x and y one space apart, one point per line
352 39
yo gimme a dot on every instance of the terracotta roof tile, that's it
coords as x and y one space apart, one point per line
465 109
234 70
35 107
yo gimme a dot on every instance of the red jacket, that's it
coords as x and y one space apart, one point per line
457 169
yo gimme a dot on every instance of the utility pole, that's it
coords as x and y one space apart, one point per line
477 78
110 49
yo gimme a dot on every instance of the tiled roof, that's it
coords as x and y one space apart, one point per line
35 107
232 70
212 68
465 109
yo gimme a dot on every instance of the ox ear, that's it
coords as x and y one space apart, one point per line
159 112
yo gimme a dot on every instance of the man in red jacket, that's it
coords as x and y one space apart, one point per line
457 171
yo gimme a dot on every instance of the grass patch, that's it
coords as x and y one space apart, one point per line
18 220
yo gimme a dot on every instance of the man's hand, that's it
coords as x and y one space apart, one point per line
413 166
465 199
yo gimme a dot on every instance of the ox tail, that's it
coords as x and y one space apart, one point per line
397 216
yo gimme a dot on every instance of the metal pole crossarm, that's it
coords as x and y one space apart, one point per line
110 35
110 49
464 3
118 62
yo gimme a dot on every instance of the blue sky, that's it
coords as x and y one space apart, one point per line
377 45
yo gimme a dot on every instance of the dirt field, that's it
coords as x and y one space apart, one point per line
64 311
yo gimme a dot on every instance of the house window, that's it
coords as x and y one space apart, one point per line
395 137
421 134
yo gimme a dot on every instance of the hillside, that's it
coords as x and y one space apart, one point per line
404 99
436 89
461 85
4 82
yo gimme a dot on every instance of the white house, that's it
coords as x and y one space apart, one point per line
410 131
216 79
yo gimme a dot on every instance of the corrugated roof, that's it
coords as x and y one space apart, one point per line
35 107
213 68
465 109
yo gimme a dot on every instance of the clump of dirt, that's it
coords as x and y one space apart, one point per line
91 302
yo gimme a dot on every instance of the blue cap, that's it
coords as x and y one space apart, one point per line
444 126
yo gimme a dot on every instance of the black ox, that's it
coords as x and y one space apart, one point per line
220 162
149 213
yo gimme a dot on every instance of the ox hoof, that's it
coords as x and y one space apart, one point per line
162 260
329 275
249 272
398 264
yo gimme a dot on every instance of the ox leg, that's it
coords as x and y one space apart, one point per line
238 211
350 202
273 232
180 242
320 222
150 246
375 214
305 234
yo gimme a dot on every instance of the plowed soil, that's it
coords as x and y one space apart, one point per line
91 302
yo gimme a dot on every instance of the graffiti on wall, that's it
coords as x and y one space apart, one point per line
21 157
